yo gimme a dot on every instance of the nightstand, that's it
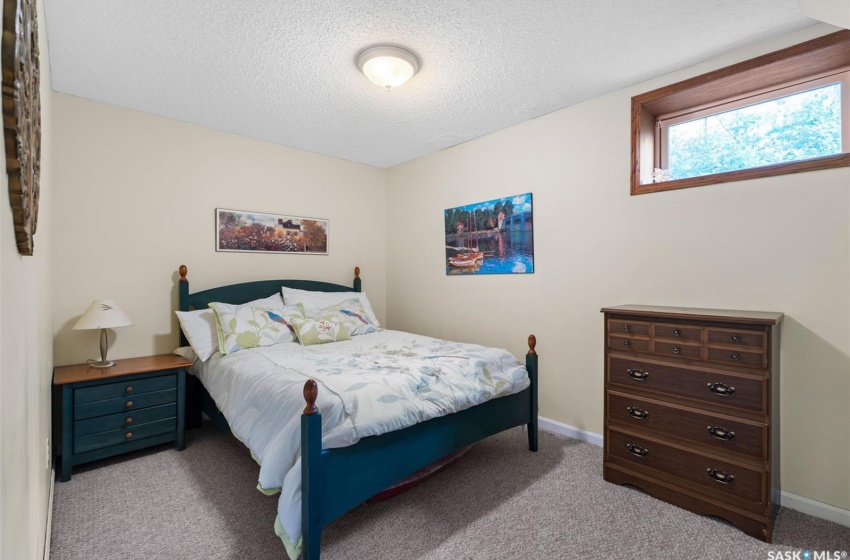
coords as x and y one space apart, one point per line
137 403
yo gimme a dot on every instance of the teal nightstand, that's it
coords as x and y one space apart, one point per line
137 403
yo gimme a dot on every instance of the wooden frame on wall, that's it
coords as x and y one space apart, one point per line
818 56
22 116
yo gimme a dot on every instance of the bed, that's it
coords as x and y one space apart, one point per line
335 479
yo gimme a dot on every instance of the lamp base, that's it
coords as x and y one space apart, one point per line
102 364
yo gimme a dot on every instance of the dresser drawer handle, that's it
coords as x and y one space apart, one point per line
129 389
637 413
676 332
637 374
721 389
736 357
676 349
720 476
721 433
627 343
129 404
736 338
128 435
128 420
626 328
637 450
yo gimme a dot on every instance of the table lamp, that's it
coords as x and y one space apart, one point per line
102 314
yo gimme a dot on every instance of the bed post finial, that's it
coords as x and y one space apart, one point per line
311 392
183 272
532 342
357 272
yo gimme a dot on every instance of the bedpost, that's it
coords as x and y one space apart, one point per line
193 389
311 473
183 289
356 278
531 366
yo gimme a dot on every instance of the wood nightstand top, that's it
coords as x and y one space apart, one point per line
84 372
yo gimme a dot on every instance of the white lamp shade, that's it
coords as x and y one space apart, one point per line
388 66
103 314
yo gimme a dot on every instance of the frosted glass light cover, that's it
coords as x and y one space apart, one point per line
388 66
102 314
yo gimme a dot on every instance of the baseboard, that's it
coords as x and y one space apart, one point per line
815 509
569 431
791 501
49 523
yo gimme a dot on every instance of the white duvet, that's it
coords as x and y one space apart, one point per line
370 385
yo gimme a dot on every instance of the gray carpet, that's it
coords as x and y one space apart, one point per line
497 501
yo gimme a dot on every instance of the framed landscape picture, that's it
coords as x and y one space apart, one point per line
259 232
492 237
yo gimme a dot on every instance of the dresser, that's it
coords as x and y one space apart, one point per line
692 409
137 403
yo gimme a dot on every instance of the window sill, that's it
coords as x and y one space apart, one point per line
816 164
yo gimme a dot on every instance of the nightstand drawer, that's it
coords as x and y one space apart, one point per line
127 420
125 388
131 433
112 406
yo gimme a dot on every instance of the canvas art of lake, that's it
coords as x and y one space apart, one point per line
492 237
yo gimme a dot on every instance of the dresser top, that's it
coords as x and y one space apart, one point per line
130 366
752 317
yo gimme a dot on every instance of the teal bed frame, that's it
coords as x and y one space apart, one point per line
334 481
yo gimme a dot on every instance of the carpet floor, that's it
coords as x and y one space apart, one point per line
497 501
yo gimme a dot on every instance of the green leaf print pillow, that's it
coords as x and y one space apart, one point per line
353 315
321 329
250 326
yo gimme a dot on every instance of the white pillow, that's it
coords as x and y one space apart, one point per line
315 301
201 327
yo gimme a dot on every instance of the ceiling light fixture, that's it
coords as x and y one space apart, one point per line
388 66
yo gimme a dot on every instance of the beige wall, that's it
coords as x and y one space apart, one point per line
777 244
136 196
26 362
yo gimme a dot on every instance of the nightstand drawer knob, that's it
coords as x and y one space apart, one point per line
129 404
129 389
128 420
128 435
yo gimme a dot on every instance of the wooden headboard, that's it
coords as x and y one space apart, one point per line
249 291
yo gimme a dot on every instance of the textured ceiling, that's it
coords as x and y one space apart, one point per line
284 71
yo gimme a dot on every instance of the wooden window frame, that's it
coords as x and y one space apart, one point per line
825 55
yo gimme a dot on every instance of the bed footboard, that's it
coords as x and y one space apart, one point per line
333 481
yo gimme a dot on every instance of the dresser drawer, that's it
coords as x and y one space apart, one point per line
131 433
677 349
112 406
619 343
637 328
125 388
705 429
707 386
737 357
710 474
677 332
751 339
124 419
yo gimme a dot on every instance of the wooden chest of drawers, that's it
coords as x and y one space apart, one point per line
692 409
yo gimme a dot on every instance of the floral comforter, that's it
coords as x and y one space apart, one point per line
370 385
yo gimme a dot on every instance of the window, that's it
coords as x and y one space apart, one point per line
785 112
